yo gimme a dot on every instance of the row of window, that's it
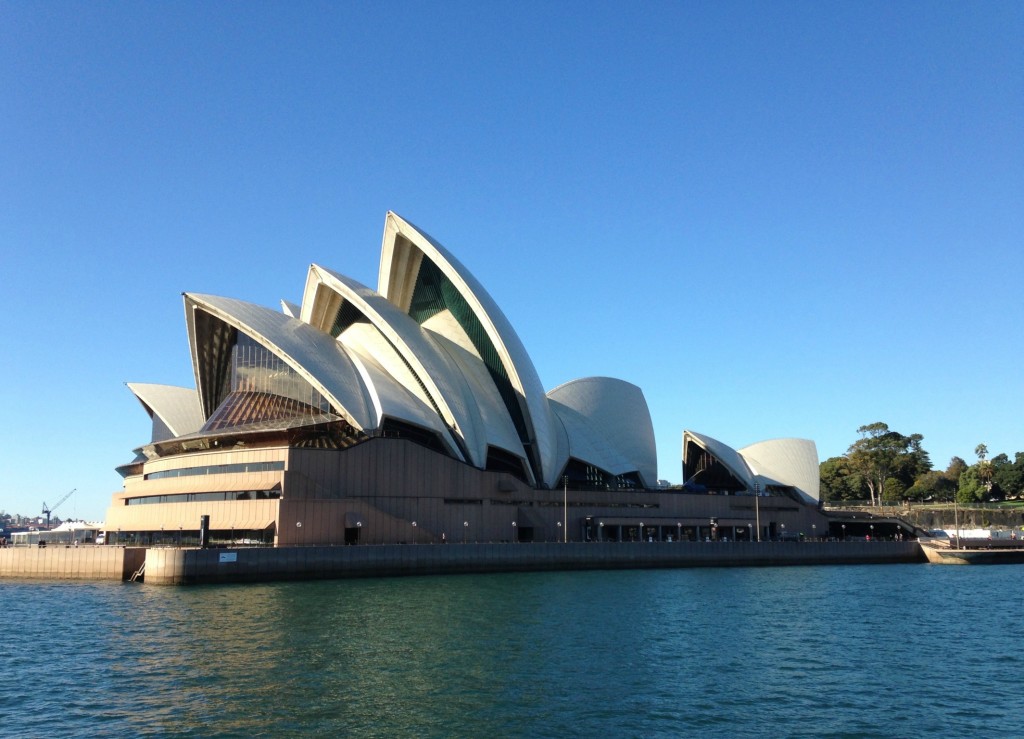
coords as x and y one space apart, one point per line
219 469
205 497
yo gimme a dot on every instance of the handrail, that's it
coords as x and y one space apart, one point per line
139 573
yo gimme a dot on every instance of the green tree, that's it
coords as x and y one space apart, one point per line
932 485
914 463
984 467
955 469
839 482
894 490
972 487
881 453
1008 476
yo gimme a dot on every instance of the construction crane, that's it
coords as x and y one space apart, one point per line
47 511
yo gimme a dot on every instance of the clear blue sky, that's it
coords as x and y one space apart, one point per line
778 219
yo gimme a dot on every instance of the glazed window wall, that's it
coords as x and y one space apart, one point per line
256 369
347 315
218 469
434 293
206 497
264 388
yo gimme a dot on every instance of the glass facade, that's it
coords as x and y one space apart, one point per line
394 429
347 315
218 469
703 472
215 341
500 460
205 497
262 388
584 476
435 293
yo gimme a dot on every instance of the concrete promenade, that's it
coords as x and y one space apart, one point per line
191 566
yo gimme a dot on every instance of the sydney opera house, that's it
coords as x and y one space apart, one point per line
413 414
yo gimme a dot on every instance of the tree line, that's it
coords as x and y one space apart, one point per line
885 466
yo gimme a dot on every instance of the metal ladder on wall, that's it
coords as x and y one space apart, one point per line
139 574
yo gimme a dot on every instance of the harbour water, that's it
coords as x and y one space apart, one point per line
851 651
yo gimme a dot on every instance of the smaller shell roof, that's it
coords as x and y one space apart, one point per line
608 420
789 463
432 368
792 462
724 453
177 407
314 355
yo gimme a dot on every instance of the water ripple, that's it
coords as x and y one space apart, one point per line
875 651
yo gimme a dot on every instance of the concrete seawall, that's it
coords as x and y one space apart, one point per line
192 566
71 563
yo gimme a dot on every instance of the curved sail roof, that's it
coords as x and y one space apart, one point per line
725 454
432 350
391 398
409 259
427 372
312 354
175 408
790 462
608 424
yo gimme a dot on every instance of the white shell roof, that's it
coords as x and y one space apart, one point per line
608 425
177 408
792 462
785 462
724 453
398 271
432 376
427 364
497 427
418 363
305 349
390 398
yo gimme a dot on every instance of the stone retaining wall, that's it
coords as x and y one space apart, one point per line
189 566
71 563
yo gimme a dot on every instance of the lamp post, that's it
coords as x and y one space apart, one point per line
750 532
600 530
814 531
565 507
679 531
872 527
956 516
641 531
465 530
757 507
514 537
559 524
843 527
782 527
415 539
